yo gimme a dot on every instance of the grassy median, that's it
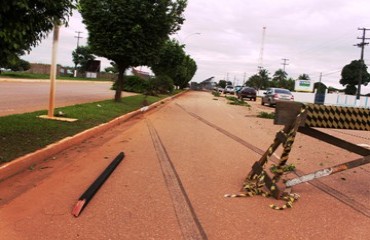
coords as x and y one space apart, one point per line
24 133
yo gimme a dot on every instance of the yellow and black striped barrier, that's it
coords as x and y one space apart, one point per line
324 116
303 118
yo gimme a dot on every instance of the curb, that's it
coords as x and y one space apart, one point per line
20 164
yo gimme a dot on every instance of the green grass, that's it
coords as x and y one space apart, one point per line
216 93
24 133
266 115
25 75
236 101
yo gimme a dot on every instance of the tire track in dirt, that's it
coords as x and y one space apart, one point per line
186 217
316 183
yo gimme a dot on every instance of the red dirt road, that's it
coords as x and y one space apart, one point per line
180 161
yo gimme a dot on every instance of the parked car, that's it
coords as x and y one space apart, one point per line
272 95
229 89
237 88
247 92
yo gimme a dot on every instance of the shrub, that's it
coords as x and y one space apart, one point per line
163 84
266 115
216 93
134 84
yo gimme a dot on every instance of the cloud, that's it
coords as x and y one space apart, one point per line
316 36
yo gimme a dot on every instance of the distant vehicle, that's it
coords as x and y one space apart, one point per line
247 92
5 70
237 88
229 89
272 95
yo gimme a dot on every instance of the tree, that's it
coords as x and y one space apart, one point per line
112 69
130 33
304 77
170 60
19 65
254 81
174 63
265 78
279 78
81 55
289 84
24 23
189 69
222 83
260 80
351 74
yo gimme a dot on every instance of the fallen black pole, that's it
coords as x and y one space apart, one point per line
94 187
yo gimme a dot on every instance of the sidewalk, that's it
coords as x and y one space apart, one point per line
172 182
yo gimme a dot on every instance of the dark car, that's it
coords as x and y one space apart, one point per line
247 92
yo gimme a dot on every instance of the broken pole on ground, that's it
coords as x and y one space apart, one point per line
94 187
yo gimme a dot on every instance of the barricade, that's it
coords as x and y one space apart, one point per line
305 118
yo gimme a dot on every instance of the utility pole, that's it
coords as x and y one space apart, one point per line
260 59
78 38
284 63
362 46
78 44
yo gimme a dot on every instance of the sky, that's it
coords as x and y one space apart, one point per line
227 40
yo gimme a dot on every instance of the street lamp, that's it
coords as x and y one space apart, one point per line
192 34
187 36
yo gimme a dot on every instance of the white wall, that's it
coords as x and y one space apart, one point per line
330 99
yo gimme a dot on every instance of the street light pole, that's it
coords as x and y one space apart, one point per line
53 70
196 33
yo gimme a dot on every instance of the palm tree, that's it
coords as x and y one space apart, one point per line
304 77
265 78
279 78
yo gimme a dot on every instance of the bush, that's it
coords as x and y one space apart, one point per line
266 115
19 65
163 84
133 84
216 93
153 87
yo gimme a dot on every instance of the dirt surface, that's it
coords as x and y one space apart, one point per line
180 161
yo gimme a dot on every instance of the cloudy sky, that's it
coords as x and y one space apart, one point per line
225 38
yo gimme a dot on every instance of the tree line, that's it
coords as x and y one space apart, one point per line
350 75
129 33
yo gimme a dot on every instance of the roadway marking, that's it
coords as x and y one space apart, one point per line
185 214
359 207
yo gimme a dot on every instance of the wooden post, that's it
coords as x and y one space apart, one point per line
53 70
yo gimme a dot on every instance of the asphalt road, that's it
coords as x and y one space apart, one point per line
180 161
28 96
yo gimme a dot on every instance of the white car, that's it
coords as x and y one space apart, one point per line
229 89
272 95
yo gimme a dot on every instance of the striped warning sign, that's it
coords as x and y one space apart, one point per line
337 117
